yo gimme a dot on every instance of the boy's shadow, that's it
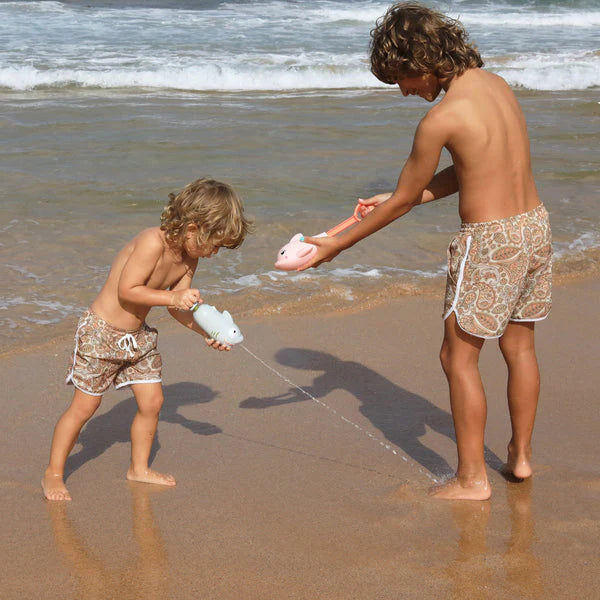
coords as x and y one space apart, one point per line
400 415
112 427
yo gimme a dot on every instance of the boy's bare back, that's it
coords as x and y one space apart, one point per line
146 262
486 134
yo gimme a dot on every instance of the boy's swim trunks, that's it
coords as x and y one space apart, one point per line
500 271
105 354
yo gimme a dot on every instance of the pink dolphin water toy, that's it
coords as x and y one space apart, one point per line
296 252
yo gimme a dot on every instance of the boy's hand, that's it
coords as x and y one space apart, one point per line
368 204
327 249
217 345
185 299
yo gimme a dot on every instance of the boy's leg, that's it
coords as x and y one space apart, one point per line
149 398
66 432
518 348
460 358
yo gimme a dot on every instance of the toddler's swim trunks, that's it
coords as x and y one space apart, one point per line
105 354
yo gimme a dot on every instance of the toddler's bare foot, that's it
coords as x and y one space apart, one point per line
517 463
149 476
54 487
458 489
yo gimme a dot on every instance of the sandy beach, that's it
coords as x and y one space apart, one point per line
303 468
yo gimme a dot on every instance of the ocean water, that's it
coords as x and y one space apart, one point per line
106 107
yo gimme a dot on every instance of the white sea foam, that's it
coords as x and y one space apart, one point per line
539 72
556 71
196 78
586 241
270 45
531 20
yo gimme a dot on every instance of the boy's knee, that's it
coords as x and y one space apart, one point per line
445 358
512 348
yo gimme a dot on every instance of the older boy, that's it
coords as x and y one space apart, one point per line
499 265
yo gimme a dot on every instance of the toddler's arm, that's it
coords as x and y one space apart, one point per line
136 272
185 316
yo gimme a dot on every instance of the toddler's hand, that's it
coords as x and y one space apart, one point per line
185 299
217 345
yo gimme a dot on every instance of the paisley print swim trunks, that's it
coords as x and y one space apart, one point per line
500 271
105 354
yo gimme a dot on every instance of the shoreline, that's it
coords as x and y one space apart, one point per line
337 299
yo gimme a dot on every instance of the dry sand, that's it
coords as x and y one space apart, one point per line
312 493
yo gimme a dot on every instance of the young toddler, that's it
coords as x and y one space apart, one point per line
113 343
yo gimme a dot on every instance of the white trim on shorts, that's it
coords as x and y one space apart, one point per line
70 380
461 273
118 387
530 320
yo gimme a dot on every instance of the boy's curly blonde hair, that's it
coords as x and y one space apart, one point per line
213 206
411 40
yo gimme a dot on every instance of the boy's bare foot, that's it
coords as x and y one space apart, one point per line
149 476
54 487
456 489
517 463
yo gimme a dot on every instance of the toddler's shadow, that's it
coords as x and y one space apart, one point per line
400 415
112 427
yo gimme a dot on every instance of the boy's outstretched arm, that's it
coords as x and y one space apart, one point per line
416 185
444 183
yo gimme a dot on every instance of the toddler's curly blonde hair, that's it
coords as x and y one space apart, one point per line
412 40
214 207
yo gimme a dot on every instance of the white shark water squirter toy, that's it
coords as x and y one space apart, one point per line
219 326
297 252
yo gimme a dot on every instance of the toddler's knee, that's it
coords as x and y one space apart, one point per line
84 411
151 405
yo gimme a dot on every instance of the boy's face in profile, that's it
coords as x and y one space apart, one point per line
426 86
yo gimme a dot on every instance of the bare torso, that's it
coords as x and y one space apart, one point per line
489 145
161 269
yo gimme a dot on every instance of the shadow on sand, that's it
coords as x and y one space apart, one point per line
400 415
112 427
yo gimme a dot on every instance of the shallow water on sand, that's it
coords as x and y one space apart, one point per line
86 170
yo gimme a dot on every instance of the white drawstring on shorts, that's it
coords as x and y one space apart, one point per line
128 343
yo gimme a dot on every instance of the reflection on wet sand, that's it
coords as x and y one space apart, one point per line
473 569
469 572
522 567
145 575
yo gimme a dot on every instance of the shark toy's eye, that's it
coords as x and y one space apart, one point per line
282 252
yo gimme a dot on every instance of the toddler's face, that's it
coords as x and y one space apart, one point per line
196 250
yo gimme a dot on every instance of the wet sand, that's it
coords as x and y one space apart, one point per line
311 493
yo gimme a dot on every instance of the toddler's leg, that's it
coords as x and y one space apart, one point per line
66 432
149 398
518 348
460 357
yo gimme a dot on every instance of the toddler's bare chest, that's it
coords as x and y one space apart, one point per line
166 274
